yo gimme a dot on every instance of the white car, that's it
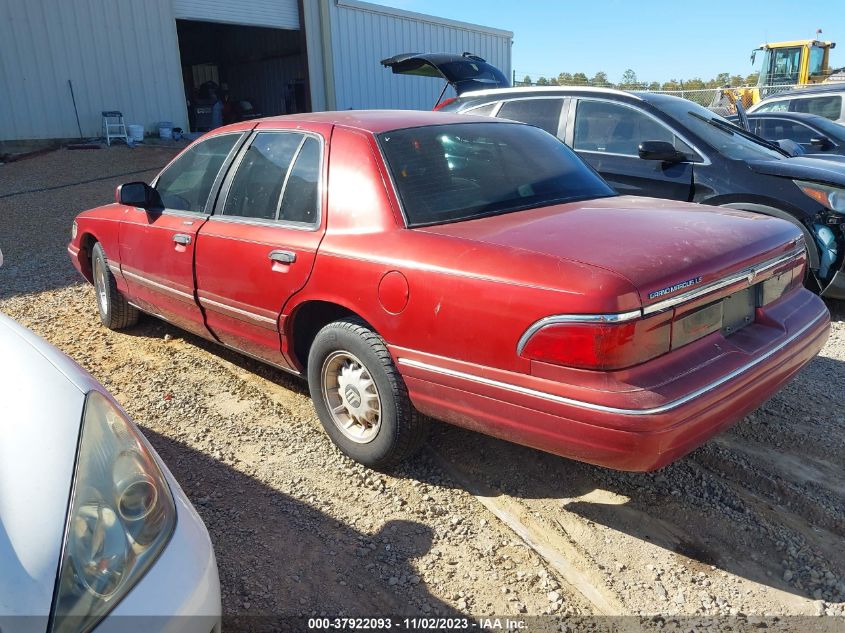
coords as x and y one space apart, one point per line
826 100
94 531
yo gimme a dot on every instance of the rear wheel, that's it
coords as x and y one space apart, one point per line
115 311
360 396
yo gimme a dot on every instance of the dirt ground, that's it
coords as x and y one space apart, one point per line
751 523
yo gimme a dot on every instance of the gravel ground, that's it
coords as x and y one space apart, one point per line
751 523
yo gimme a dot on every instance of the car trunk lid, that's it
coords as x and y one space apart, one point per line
663 248
464 73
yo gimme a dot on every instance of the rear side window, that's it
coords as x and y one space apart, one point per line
186 183
828 107
256 189
485 110
775 106
449 173
301 199
541 113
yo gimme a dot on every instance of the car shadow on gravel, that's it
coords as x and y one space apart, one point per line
769 518
154 328
282 559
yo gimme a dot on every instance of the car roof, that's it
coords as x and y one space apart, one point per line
810 91
375 121
798 116
550 90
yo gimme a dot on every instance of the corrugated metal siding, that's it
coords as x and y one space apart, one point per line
283 14
120 54
363 34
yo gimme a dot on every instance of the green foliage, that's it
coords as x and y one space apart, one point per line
630 81
600 79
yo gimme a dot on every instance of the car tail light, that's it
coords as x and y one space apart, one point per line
445 102
619 341
601 345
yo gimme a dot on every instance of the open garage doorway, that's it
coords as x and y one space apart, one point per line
234 73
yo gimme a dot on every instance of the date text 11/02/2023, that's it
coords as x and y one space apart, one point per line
416 624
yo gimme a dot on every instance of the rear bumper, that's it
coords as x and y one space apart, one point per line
692 393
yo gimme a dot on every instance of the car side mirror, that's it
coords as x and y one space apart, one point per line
790 147
660 150
136 194
822 142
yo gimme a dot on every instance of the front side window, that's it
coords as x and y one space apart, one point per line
602 126
816 60
541 113
256 189
187 182
449 173
828 107
719 133
778 129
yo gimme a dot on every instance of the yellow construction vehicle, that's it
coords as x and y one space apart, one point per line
785 65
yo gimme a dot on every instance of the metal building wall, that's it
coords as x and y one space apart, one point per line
282 14
362 34
120 54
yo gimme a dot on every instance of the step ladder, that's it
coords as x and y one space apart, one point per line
114 127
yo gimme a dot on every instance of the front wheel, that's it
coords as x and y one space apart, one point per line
115 311
360 397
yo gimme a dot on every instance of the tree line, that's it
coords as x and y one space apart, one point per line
629 81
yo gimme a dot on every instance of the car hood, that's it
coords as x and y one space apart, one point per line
654 244
464 72
830 169
43 401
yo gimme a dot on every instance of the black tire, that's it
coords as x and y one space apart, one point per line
115 311
401 429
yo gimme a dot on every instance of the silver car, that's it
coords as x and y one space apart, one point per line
94 530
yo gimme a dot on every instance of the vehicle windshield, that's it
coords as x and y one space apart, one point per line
450 173
722 135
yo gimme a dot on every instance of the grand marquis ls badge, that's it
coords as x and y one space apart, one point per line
674 288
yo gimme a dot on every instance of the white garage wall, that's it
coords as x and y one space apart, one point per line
282 14
120 54
363 34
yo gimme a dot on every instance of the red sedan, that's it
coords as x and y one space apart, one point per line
417 264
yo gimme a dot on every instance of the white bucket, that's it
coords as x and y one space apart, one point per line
136 132
165 133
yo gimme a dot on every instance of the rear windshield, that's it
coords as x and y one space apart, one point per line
449 173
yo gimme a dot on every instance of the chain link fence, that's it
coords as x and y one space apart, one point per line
707 97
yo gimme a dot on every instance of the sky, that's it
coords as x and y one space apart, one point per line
658 39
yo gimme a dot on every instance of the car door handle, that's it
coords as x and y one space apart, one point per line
283 257
182 238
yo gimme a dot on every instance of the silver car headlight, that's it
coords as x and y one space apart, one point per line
120 519
832 198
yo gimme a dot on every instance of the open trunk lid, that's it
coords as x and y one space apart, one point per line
464 73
